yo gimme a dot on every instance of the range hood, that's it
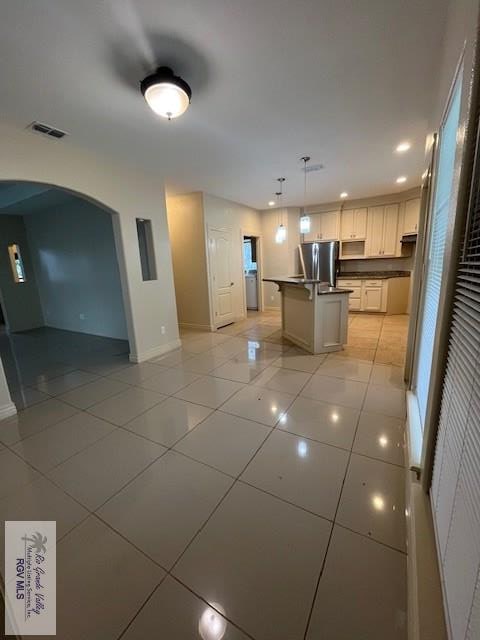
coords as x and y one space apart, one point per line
411 238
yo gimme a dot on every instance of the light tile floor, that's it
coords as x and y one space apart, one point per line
235 488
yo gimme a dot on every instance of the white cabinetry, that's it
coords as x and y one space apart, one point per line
382 226
385 295
323 226
373 295
354 224
412 213
355 298
367 295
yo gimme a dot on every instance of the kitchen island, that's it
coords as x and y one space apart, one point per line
314 315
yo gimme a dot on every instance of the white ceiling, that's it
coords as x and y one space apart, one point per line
341 80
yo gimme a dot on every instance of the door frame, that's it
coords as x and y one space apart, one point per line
245 233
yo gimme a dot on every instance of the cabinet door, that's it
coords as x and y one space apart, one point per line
354 304
360 224
314 229
329 225
372 299
412 212
390 231
347 224
374 242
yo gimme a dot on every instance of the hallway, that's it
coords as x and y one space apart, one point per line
208 475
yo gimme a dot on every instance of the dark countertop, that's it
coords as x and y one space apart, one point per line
378 275
322 289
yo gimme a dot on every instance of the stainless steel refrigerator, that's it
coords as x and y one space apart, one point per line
319 261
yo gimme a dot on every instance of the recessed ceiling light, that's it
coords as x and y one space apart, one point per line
166 94
271 203
401 179
403 146
344 194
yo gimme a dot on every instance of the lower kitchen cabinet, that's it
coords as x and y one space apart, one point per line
389 295
372 298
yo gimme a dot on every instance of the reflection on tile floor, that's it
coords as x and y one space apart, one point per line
248 489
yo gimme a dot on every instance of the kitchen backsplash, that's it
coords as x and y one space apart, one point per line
380 264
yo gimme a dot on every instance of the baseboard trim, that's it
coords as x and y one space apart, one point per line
7 410
267 308
142 356
197 327
425 613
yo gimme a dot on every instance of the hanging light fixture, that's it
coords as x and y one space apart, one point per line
304 218
166 94
281 234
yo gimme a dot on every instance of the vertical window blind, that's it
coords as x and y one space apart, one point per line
455 491
435 253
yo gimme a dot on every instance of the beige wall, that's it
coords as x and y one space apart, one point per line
190 217
187 240
279 259
118 186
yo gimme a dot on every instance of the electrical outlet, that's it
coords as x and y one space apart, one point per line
82 316
162 330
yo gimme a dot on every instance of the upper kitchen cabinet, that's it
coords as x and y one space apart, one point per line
382 226
324 226
354 224
412 213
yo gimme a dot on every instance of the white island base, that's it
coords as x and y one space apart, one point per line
314 316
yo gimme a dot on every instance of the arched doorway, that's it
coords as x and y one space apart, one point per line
61 290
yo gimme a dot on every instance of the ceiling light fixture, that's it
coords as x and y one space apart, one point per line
305 218
271 203
281 234
401 179
166 94
344 194
402 147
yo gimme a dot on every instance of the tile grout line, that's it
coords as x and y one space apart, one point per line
322 569
236 480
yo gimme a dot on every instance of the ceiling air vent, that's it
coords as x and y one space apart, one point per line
312 167
47 130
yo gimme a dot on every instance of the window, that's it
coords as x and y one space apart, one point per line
16 262
146 249
435 252
249 254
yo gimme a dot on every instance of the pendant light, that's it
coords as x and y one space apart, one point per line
305 219
166 94
281 234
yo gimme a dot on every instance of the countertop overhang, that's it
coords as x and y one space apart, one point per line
321 289
376 275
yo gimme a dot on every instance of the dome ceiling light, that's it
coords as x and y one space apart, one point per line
166 94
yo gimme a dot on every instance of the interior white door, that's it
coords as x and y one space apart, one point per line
220 244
